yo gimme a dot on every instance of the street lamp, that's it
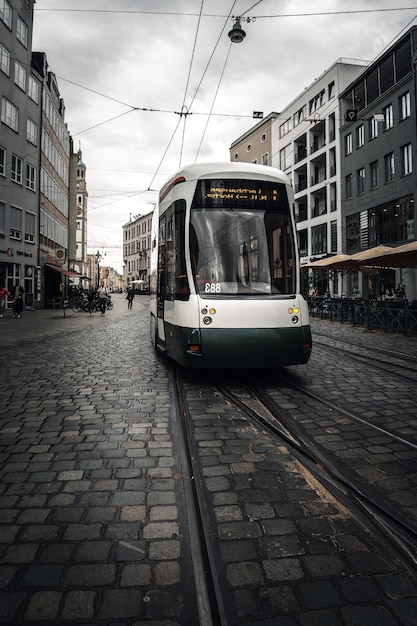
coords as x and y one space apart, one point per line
98 259
237 34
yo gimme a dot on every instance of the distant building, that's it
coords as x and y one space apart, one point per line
77 256
137 251
255 146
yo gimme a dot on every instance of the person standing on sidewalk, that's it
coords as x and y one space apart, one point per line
3 294
129 297
102 298
17 294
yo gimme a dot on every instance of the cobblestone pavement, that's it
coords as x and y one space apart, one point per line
93 508
91 503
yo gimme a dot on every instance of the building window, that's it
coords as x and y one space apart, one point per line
30 177
389 167
303 242
319 239
15 223
405 107
388 117
6 13
9 114
316 102
285 128
285 157
249 147
348 144
299 116
22 32
2 161
330 90
33 89
265 159
333 236
406 159
360 136
348 186
4 60
374 174
17 168
30 222
360 181
2 219
373 128
263 137
20 76
32 132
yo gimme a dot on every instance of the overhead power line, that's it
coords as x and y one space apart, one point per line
218 15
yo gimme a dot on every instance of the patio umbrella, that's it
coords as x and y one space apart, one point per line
370 256
339 261
403 256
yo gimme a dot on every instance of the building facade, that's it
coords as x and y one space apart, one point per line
255 146
20 137
305 144
137 251
378 139
36 159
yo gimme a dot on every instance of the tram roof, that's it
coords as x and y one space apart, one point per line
195 171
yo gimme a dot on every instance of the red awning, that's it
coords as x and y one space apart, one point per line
61 270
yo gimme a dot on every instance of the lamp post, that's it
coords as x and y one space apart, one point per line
98 259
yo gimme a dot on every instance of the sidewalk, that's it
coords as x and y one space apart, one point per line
37 323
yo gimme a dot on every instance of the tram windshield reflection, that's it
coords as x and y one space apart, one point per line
241 251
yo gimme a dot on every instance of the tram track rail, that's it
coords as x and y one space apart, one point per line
214 407
326 468
208 587
398 364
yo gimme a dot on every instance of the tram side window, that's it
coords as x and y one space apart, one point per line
282 249
182 289
173 277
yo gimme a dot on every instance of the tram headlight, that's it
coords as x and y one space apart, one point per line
207 320
212 311
294 319
204 311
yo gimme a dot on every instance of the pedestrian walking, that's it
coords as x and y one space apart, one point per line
91 296
129 297
3 294
17 294
102 298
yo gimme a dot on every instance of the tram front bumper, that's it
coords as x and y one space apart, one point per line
245 348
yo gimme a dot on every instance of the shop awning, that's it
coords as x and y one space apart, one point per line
62 270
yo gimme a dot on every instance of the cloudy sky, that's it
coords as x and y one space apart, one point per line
153 84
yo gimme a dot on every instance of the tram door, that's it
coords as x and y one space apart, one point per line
161 279
172 282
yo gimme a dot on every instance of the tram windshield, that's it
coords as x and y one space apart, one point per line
241 239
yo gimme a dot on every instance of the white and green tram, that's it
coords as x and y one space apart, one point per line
225 280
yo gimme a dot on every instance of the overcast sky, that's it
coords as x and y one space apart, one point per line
115 59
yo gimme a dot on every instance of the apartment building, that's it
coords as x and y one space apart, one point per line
305 144
36 158
137 251
255 146
378 164
20 136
